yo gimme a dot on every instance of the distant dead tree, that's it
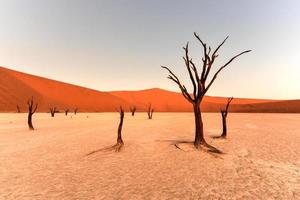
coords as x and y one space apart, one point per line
31 111
200 87
53 111
224 113
118 146
75 111
132 110
18 109
67 111
150 111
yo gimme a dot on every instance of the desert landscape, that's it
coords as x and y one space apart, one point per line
16 87
260 157
149 100
60 142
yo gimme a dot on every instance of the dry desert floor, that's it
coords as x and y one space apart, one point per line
260 160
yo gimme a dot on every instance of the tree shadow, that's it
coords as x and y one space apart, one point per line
203 146
119 145
116 148
218 137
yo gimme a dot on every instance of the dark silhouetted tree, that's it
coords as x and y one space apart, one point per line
31 111
67 111
118 146
120 142
53 111
132 110
224 113
200 84
18 109
150 111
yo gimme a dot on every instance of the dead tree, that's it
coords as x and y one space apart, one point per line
118 146
67 111
132 110
18 109
200 84
75 111
120 142
53 111
150 111
31 111
224 113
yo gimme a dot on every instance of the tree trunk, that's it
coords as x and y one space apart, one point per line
150 114
119 139
224 125
199 139
132 113
30 121
18 109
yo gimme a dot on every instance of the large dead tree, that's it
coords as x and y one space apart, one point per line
53 111
150 111
18 109
31 111
200 83
132 110
224 113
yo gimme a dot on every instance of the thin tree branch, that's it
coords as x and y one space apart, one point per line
36 105
217 49
221 68
205 57
227 106
183 89
187 63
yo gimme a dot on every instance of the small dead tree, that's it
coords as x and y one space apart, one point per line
67 111
75 111
53 111
150 111
118 146
224 113
18 109
132 110
200 86
31 111
120 142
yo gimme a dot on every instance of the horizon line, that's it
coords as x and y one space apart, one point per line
136 90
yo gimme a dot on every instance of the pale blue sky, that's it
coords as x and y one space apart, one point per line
120 45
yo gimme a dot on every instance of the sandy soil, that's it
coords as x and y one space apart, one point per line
261 157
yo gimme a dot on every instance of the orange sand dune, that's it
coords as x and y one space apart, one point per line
16 87
288 106
167 101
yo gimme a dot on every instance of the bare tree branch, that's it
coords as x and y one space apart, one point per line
227 106
183 89
187 63
217 49
205 56
221 68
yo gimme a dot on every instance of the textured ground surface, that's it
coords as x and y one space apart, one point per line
261 157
